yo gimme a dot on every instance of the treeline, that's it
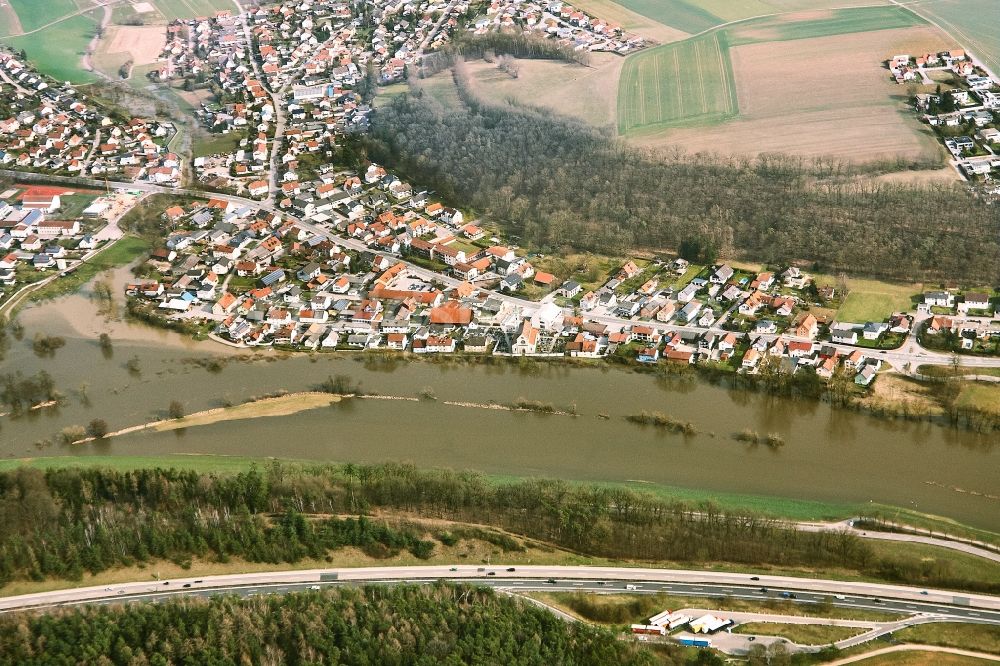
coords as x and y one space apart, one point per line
516 44
438 624
558 183
51 531
66 521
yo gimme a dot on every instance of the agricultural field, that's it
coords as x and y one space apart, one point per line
631 21
696 16
9 23
140 45
972 22
58 49
689 82
827 23
812 86
686 16
33 14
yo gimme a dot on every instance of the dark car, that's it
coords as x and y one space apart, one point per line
878 601
199 581
551 581
511 569
166 582
763 590
491 573
187 584
754 577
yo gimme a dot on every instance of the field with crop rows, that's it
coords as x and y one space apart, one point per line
678 84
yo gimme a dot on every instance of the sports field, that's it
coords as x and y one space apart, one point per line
974 23
58 49
689 82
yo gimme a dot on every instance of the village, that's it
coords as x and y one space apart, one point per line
362 262
297 253
49 127
962 115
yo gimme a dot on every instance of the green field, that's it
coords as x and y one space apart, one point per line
689 82
984 638
33 14
803 634
57 50
975 24
209 144
837 22
872 300
686 16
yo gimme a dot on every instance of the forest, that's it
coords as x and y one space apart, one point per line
63 522
557 184
438 624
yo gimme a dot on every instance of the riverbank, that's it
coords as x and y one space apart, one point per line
784 508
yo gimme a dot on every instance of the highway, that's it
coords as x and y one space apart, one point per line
875 596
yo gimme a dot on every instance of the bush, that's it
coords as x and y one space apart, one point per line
176 409
98 428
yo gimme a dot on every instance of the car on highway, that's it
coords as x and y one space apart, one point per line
513 569
199 581
491 573
840 597
924 592
187 584
314 587
763 590
166 582
551 581
754 577
878 601
453 569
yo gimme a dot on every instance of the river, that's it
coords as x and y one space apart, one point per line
831 455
